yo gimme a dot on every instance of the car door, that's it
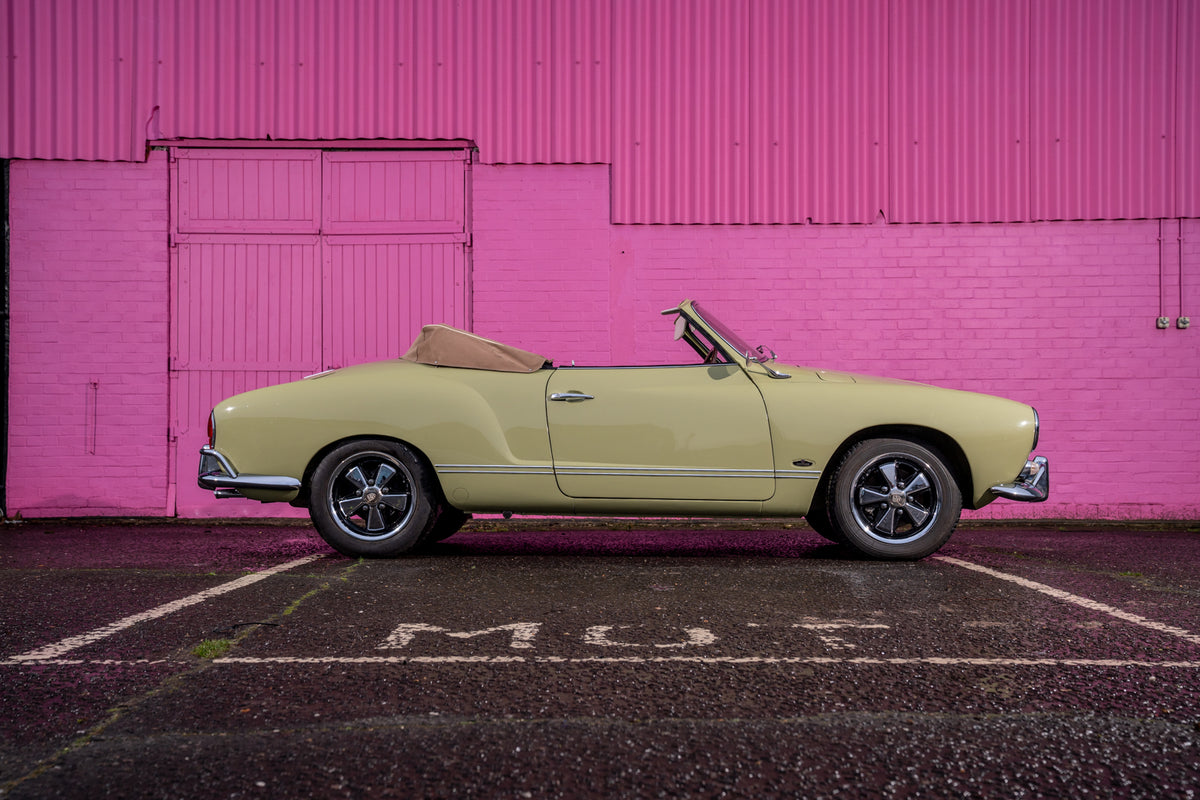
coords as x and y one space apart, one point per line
685 432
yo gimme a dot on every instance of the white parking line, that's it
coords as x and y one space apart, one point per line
58 649
1082 602
821 660
934 661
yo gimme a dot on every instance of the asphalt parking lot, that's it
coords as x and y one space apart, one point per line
576 659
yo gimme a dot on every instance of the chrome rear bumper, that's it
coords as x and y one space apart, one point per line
1031 486
218 475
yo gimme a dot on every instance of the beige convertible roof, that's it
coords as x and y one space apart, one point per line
443 346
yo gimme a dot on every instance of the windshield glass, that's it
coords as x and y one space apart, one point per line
725 332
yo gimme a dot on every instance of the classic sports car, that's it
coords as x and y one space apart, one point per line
392 455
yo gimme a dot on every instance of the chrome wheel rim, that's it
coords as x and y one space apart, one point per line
896 498
370 496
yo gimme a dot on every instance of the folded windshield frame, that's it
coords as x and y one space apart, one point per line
728 335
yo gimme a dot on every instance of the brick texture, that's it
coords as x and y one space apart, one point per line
88 353
1058 315
541 260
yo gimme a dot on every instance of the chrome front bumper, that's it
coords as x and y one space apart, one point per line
1031 486
218 475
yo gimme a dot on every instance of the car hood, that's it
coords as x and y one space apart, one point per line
836 376
853 388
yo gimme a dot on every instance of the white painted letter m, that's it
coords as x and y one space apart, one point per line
522 633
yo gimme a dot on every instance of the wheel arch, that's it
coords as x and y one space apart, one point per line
956 459
304 496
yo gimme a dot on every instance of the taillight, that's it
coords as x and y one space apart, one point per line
212 429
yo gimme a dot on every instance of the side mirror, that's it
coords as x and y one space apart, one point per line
761 354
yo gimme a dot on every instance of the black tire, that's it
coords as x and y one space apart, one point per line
818 519
448 523
894 499
373 498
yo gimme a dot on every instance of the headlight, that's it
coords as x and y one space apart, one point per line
1037 429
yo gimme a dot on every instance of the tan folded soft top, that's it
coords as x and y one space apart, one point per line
443 346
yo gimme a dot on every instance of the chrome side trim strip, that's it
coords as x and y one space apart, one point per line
803 474
622 472
666 472
492 469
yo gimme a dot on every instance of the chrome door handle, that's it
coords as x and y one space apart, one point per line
571 396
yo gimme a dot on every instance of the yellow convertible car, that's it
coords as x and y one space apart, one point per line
393 455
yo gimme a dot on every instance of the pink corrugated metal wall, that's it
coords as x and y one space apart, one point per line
1104 99
749 112
78 79
710 111
1187 127
528 79
959 79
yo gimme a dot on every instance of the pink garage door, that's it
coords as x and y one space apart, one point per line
288 262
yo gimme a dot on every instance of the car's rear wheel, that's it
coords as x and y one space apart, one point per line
894 499
373 498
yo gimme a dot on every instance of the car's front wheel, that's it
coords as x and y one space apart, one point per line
373 498
818 519
894 499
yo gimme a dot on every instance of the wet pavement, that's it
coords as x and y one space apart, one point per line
579 659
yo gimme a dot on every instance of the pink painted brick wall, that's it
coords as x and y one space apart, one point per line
1058 315
541 259
88 380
